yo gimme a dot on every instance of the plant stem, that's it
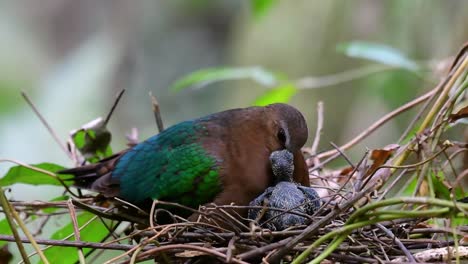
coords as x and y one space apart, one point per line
8 215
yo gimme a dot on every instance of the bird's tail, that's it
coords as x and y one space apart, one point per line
83 176
96 177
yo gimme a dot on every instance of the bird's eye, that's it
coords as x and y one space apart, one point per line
281 135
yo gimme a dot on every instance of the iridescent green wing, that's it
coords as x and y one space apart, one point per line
171 166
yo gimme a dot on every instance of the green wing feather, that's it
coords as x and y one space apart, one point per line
171 166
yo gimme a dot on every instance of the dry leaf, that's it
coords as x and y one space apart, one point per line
462 113
380 156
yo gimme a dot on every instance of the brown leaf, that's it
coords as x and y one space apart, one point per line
462 113
380 156
346 171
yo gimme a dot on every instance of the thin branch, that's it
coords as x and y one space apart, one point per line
46 124
444 94
379 123
25 231
11 223
397 241
446 86
75 244
157 112
318 131
117 99
417 117
209 251
76 230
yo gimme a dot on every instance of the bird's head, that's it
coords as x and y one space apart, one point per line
282 164
290 126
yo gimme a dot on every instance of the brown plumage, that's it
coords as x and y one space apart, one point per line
221 158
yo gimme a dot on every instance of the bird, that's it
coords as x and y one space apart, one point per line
286 196
222 158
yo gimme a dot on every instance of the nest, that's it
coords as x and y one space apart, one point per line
364 218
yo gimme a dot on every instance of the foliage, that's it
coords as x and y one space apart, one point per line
94 231
261 7
378 53
38 174
427 180
207 76
281 94
93 140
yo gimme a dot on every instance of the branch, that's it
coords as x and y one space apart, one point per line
75 244
46 124
379 123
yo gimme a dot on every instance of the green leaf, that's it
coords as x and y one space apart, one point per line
281 94
93 140
204 77
20 174
94 232
410 187
460 221
261 7
377 52
442 190
5 229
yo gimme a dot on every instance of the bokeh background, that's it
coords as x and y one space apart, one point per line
72 57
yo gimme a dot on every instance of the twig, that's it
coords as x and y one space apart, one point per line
157 112
70 235
397 241
11 223
444 94
68 243
230 248
76 230
215 253
417 117
134 256
117 99
151 215
356 259
359 219
446 86
26 231
379 123
318 131
46 124
347 159
142 244
409 166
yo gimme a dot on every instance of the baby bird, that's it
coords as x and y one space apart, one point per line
286 195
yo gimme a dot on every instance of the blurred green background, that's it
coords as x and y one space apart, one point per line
72 57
